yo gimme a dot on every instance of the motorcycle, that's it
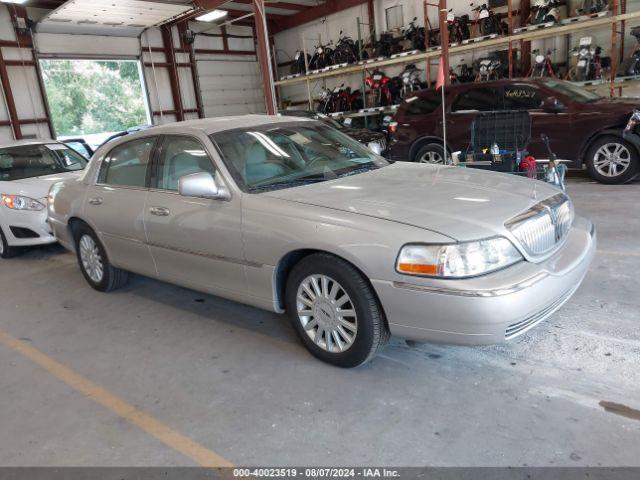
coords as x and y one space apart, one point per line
589 65
458 27
411 80
544 11
322 57
417 36
387 45
299 65
631 66
487 21
489 68
348 100
326 101
542 65
379 92
346 50
589 7
466 74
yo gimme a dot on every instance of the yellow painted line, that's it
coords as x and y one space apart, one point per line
199 454
621 254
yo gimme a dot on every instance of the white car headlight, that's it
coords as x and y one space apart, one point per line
18 202
457 260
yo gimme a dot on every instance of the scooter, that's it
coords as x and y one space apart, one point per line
542 65
589 65
458 27
489 68
589 7
544 11
631 66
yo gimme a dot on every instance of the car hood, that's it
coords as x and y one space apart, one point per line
36 187
461 203
624 106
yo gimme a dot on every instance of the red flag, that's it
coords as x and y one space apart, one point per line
440 81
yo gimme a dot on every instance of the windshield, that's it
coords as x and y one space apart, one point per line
284 155
29 161
576 93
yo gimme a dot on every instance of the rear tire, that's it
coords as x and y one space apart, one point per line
344 323
612 160
94 262
6 251
431 153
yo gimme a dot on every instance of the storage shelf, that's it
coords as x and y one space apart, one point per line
453 50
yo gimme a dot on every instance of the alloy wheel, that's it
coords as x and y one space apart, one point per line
327 313
1 247
612 159
91 258
431 157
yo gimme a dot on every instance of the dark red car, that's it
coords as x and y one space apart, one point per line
584 128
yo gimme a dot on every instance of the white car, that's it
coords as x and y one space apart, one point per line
27 170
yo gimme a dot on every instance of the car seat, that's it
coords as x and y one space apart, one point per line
257 166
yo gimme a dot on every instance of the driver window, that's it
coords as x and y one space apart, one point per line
181 156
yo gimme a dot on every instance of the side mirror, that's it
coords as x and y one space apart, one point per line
552 105
202 185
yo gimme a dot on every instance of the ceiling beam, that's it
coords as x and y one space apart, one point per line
278 4
315 13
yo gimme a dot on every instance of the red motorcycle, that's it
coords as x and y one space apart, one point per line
379 91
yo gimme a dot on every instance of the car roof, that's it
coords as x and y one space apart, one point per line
217 124
21 143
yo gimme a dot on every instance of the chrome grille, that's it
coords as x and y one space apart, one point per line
545 226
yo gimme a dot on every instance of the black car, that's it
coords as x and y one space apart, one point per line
376 141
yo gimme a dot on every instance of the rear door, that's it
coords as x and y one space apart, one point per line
524 96
115 204
464 109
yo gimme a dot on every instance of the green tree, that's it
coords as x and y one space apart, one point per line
87 96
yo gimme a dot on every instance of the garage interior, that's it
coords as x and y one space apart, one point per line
159 375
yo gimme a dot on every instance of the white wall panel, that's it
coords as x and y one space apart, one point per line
26 92
81 45
230 87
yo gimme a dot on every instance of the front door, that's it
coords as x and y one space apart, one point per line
115 205
196 242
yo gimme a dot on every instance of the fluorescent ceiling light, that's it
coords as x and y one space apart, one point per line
13 1
212 16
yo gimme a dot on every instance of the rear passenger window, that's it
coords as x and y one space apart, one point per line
522 97
127 164
481 99
422 105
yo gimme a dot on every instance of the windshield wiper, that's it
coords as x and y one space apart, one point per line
355 171
286 183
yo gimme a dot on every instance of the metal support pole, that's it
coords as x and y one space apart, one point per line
174 79
364 73
264 56
510 15
614 49
444 39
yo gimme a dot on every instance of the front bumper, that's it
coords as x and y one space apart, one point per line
492 308
35 222
632 137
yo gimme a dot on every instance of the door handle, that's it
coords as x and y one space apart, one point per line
95 201
159 211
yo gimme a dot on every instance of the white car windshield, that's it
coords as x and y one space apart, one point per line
28 161
285 155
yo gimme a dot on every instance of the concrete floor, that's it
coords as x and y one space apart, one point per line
237 381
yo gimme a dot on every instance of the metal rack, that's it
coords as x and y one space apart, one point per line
432 53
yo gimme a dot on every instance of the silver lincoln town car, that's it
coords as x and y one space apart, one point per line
293 216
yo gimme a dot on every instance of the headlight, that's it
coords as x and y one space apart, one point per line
375 147
17 202
457 260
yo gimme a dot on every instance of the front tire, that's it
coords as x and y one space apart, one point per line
6 251
335 311
94 262
431 153
612 160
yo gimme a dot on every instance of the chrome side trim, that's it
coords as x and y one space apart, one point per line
474 293
207 255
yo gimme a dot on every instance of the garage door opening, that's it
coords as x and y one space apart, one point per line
94 98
